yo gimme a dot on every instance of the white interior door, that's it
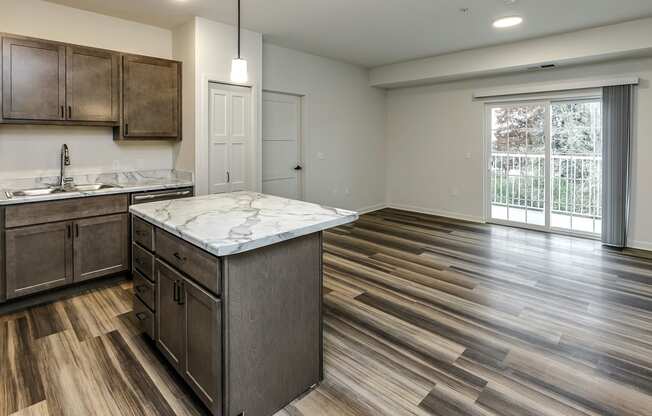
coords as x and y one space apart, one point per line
229 137
282 165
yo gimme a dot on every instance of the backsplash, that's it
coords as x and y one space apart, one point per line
33 151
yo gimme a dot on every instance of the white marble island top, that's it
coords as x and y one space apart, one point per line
225 224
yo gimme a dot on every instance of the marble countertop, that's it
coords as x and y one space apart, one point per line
225 224
127 182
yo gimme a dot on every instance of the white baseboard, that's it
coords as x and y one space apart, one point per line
371 208
641 245
447 214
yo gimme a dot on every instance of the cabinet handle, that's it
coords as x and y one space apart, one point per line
77 230
69 228
62 112
182 293
69 111
139 288
141 316
179 257
174 294
126 129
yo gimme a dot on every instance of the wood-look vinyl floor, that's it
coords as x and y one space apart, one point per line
424 316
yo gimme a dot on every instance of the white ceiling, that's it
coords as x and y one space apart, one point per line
378 32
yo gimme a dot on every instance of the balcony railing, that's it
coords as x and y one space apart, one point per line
518 180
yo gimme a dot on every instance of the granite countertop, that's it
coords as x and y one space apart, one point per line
138 181
225 224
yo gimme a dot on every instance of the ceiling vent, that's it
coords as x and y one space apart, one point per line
542 67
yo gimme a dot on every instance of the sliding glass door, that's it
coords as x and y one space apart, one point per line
542 183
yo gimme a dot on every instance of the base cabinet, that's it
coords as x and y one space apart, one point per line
38 258
189 333
169 316
101 246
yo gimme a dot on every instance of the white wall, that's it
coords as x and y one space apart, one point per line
435 144
184 50
345 122
27 151
215 47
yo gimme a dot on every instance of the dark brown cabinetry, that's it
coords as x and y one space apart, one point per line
189 332
100 246
151 98
33 79
169 315
38 257
92 84
46 82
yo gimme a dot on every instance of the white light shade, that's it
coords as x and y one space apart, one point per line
239 71
508 22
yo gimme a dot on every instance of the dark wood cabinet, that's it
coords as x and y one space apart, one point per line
203 349
92 84
38 258
47 82
100 246
151 103
169 315
33 79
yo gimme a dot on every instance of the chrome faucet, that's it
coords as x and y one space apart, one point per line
65 161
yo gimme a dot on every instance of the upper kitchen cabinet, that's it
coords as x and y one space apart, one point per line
33 80
92 84
46 82
151 106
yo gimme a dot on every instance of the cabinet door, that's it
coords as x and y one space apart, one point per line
101 246
38 258
151 100
33 79
203 350
169 315
92 90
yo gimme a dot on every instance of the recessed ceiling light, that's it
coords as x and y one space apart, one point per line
508 22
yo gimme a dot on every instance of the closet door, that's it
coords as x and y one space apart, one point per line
229 137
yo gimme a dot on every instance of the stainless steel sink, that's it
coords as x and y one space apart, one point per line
93 187
33 192
55 189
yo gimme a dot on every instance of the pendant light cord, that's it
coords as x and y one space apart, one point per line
238 29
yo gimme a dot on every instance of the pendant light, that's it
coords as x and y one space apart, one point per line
239 65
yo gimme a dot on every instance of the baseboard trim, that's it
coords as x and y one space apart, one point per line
447 214
640 245
371 208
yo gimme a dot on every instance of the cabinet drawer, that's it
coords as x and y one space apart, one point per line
142 261
145 290
145 318
143 233
200 266
69 209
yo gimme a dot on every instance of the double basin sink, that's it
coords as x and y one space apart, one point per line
57 189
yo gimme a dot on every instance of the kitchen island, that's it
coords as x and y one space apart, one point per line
230 288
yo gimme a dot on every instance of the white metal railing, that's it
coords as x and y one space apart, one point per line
518 180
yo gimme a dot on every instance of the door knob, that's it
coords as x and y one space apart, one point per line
298 167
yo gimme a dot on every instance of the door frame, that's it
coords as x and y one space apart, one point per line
547 100
302 139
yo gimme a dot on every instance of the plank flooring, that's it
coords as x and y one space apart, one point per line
425 316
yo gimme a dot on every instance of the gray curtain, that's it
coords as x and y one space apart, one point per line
617 114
